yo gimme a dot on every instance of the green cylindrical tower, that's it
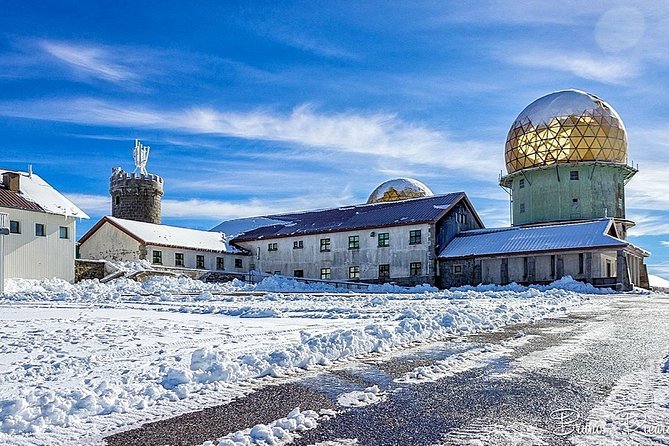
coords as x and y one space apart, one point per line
566 159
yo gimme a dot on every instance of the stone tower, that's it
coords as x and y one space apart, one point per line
136 196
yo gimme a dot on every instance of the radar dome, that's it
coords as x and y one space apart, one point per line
399 189
565 127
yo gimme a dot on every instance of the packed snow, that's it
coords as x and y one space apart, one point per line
360 398
80 361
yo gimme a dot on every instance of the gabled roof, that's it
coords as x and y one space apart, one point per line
166 236
37 195
345 218
522 239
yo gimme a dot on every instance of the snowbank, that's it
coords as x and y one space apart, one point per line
277 433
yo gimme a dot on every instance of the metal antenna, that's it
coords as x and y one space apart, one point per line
141 155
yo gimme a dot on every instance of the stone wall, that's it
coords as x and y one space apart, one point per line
136 197
88 269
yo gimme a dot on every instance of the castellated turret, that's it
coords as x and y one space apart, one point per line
136 196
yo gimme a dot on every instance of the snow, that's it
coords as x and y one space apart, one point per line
658 282
234 228
164 235
35 189
80 361
361 398
279 432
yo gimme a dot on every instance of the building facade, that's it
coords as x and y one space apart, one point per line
164 246
392 239
41 242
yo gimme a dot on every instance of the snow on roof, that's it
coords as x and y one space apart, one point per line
34 189
233 228
173 236
482 242
657 281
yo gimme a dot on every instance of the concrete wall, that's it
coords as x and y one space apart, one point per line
548 193
285 260
35 257
190 261
110 243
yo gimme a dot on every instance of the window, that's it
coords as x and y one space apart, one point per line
353 242
238 263
325 245
353 272
552 266
14 227
298 244
581 258
461 218
415 269
220 263
199 262
457 269
522 208
414 237
63 232
40 230
272 247
326 273
157 257
574 200
573 175
178 259
117 199
521 183
298 273
384 271
526 267
384 239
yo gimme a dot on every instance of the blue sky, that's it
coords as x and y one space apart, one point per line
252 108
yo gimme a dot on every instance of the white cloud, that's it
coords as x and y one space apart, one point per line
376 134
664 243
89 60
647 224
607 69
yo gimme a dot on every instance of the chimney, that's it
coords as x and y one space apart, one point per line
12 181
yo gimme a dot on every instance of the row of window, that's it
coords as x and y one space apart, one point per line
573 175
199 260
415 269
40 229
383 241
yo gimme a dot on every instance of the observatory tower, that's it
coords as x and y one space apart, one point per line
566 159
136 195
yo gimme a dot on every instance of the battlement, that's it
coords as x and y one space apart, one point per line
136 196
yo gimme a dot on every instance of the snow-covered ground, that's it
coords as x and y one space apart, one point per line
78 362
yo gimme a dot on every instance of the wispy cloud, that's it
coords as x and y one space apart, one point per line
95 61
211 210
649 224
372 134
606 69
664 243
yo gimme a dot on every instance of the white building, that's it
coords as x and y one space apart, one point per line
166 246
42 223
394 237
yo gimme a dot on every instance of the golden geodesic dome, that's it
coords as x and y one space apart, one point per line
399 189
565 127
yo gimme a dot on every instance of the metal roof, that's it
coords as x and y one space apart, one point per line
346 218
519 239
14 200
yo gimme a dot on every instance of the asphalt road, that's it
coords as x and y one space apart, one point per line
566 365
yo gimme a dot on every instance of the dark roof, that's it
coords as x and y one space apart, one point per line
521 239
14 200
347 218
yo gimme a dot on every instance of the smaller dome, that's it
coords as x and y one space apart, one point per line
399 189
